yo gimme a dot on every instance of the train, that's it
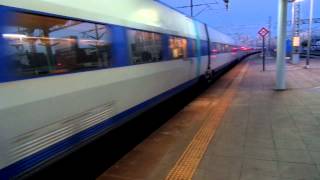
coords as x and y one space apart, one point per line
71 71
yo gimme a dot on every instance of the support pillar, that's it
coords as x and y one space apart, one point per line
281 45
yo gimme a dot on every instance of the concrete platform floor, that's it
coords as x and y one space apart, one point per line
262 134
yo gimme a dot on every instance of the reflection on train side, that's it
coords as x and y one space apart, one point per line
44 45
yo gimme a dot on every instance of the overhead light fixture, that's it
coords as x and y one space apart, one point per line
14 36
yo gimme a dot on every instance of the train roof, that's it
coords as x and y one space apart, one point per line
140 14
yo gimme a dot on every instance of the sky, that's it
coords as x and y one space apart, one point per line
244 17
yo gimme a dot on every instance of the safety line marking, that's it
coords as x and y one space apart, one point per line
188 162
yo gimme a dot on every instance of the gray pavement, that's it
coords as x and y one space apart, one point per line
268 135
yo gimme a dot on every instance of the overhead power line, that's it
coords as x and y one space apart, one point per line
195 5
207 6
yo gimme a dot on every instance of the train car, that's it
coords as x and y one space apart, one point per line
71 71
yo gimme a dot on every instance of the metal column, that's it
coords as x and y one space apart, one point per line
296 33
310 33
270 36
281 45
263 53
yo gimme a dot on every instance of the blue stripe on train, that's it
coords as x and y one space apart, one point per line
36 159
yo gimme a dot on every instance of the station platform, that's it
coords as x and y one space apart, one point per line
238 129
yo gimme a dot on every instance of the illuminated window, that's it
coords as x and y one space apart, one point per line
178 47
145 46
40 45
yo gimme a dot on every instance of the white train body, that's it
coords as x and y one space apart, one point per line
44 117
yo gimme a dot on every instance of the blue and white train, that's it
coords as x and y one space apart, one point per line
73 70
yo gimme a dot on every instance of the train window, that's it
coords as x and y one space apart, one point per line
215 48
220 47
145 46
192 48
227 48
178 47
39 45
204 48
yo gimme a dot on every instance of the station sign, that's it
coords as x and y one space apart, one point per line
263 32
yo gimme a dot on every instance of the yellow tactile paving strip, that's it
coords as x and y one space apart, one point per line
188 162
